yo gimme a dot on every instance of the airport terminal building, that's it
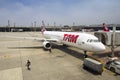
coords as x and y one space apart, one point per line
58 28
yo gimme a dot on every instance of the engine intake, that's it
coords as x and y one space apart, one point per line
47 44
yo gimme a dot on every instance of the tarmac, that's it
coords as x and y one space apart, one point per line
63 63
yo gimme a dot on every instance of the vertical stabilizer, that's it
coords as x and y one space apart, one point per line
105 28
43 27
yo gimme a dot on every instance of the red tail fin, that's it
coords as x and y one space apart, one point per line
105 28
43 27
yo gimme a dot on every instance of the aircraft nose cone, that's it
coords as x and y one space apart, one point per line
101 47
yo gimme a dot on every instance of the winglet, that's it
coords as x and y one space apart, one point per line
43 27
105 28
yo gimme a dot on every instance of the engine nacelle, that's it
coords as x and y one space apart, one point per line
47 44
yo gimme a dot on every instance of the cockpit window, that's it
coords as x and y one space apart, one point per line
92 40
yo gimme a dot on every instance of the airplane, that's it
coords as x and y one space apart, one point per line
81 40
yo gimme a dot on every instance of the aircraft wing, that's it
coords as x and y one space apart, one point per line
34 38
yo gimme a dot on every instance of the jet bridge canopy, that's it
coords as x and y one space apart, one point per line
106 38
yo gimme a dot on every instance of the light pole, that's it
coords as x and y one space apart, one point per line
113 41
35 25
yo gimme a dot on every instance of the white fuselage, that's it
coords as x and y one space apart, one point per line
84 41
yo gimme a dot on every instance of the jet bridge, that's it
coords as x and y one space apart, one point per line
106 38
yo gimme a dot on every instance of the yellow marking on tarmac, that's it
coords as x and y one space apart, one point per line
89 53
109 71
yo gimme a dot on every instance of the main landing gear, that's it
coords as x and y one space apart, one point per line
85 54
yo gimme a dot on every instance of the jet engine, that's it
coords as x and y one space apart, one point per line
47 45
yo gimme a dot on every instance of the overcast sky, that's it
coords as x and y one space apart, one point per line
62 12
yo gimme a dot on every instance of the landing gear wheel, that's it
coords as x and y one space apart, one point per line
112 69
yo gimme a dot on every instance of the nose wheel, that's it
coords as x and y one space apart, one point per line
85 54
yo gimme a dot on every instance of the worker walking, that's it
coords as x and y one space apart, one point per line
28 64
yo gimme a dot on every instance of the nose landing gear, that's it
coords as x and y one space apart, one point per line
85 54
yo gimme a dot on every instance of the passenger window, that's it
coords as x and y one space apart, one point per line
88 40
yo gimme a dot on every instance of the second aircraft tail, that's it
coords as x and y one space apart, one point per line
105 28
43 27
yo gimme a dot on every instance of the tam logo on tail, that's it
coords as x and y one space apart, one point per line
43 27
105 28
